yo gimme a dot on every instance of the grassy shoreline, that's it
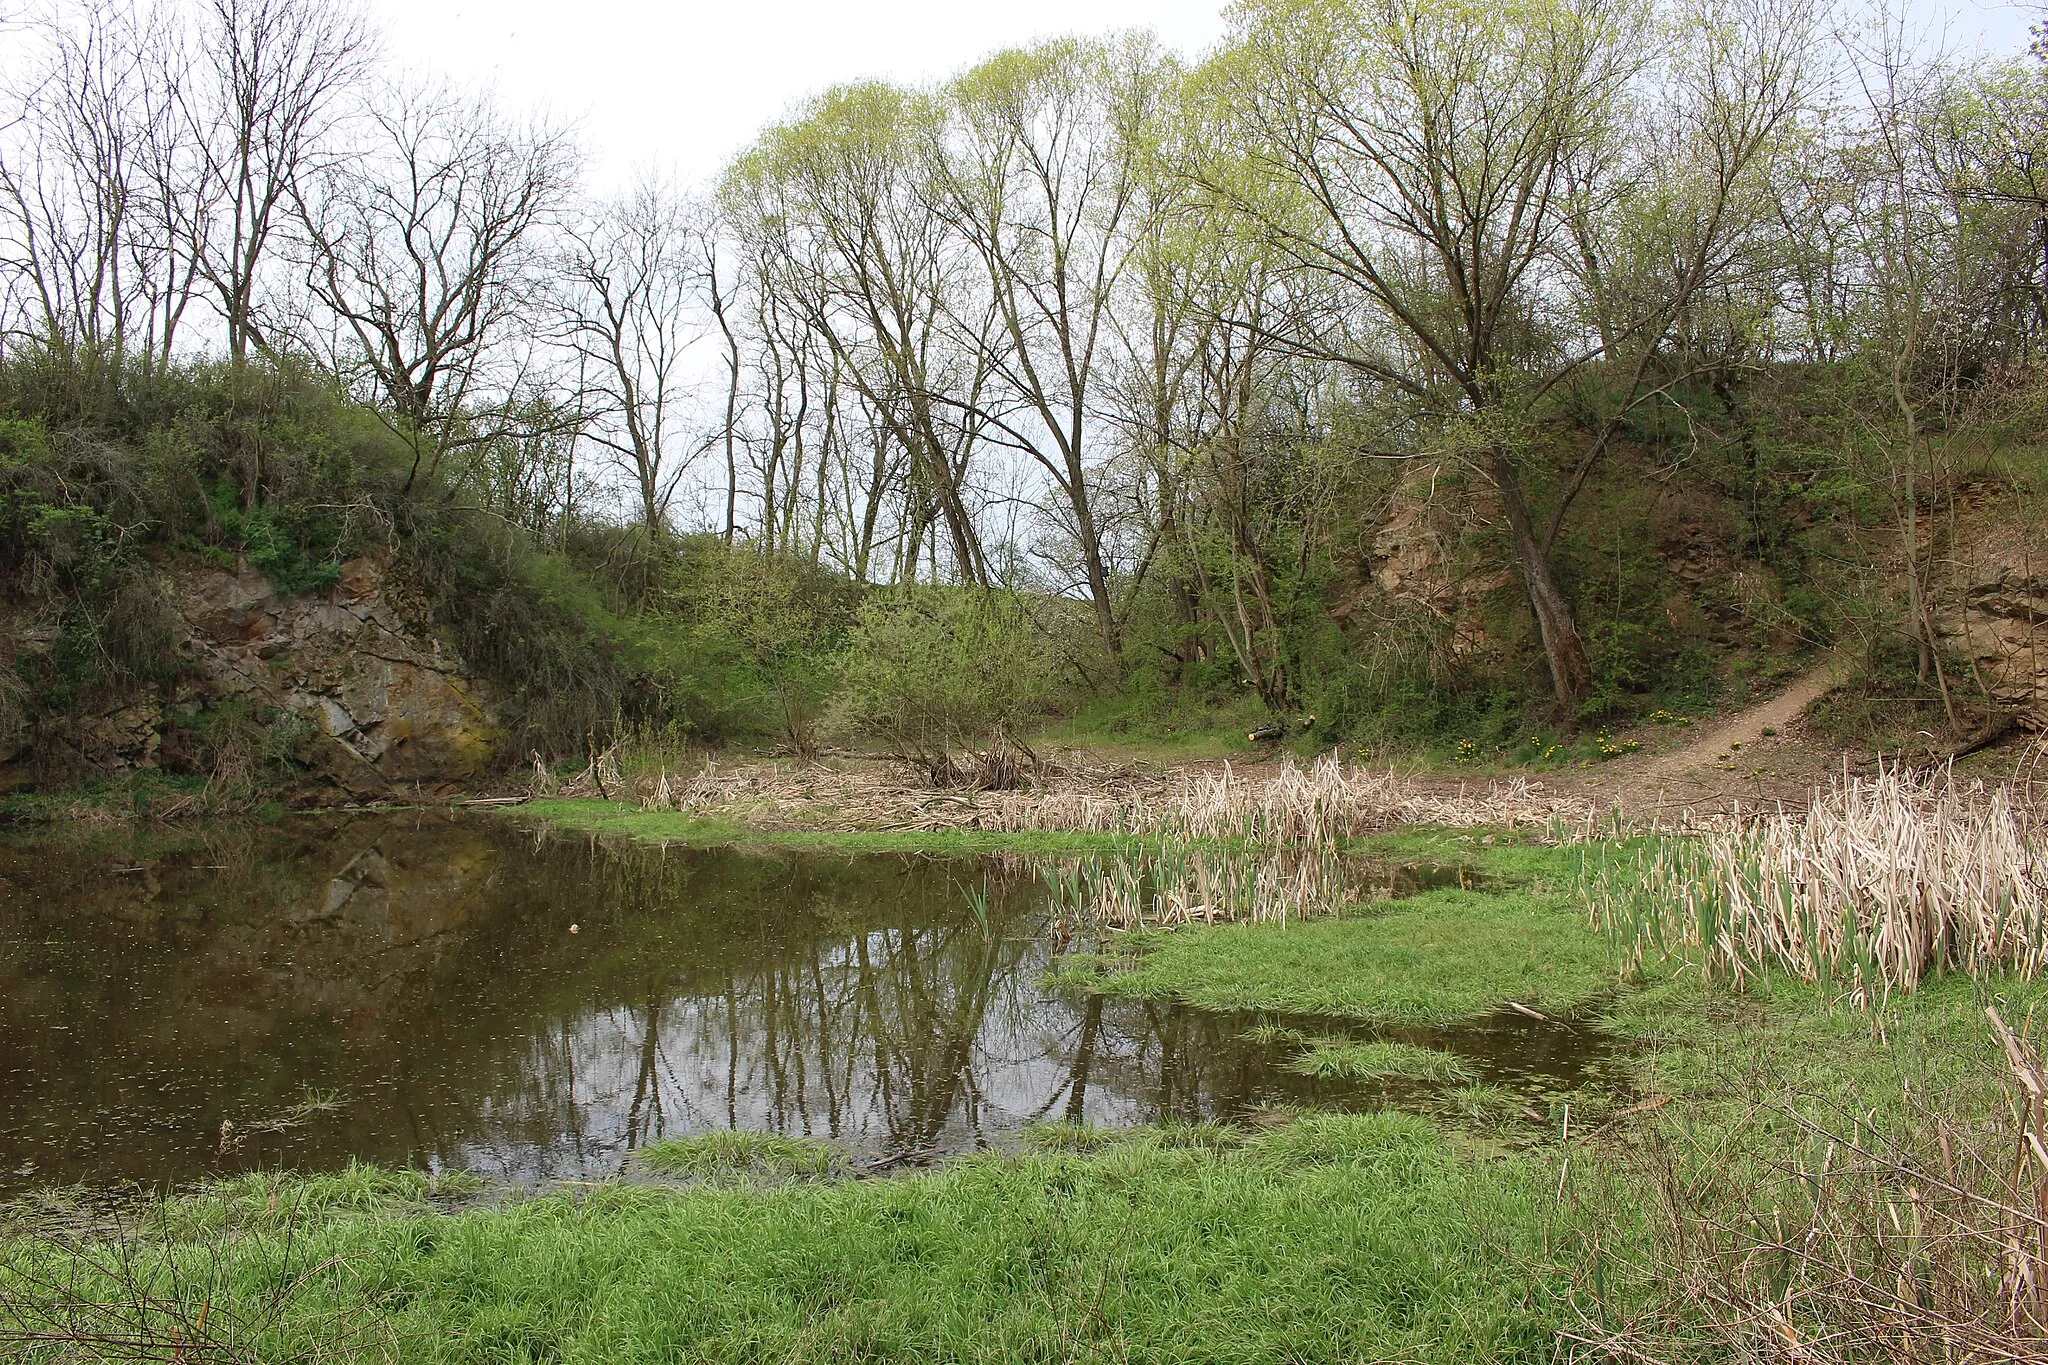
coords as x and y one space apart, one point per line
1319 1237
1146 1248
657 827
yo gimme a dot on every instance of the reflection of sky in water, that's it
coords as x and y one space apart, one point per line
828 1055
421 969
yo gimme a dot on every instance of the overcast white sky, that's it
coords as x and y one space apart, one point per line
685 85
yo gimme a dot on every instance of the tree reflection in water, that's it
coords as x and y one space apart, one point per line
423 968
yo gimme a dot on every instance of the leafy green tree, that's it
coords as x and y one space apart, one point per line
1480 219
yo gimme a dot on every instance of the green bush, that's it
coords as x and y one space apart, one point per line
748 640
929 672
294 547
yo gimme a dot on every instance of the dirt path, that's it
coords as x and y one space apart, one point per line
1714 745
1752 756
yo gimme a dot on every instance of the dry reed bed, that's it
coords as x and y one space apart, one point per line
1216 844
1287 802
1168 883
1882 880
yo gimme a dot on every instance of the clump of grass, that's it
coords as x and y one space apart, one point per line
1882 881
1380 1060
1269 1034
732 1153
217 1276
1069 1137
977 906
355 1186
1484 1105
1211 1135
1083 1139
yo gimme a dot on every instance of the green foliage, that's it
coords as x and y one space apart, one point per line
98 477
238 747
929 672
1392 695
106 801
565 662
1888 703
748 641
291 545
1145 711
725 1154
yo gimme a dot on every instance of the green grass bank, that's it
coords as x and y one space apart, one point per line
1335 1238
1317 1237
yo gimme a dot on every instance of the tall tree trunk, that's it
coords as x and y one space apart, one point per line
1179 591
1091 562
732 401
1571 675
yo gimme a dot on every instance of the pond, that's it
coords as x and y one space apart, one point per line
458 992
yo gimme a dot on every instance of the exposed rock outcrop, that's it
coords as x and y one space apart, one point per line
379 700
2000 623
1419 559
386 701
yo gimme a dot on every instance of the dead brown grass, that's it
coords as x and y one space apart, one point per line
1285 802
1878 882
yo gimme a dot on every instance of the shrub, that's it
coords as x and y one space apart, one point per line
929 672
756 651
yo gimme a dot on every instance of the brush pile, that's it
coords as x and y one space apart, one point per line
1881 881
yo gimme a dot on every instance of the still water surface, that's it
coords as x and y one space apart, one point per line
167 1013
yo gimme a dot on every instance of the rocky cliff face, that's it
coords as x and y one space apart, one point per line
379 701
1996 616
1990 589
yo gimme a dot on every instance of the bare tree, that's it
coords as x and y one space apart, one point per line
425 246
265 92
90 246
637 270
720 298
